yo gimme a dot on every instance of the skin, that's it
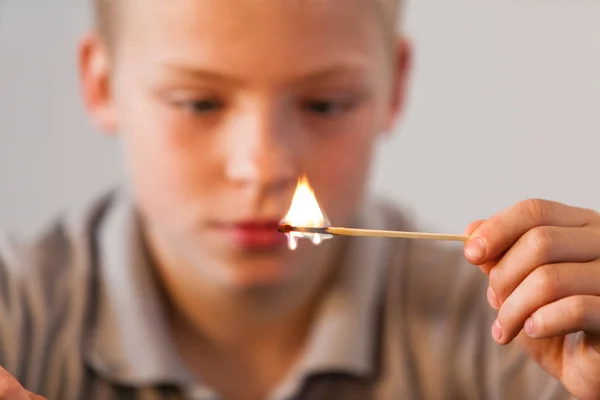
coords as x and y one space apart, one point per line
219 109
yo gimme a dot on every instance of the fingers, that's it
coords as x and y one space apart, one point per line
545 285
473 226
568 315
497 234
541 246
10 388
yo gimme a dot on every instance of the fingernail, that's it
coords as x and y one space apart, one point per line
529 328
492 299
497 331
475 249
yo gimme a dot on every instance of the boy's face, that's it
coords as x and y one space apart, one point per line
222 104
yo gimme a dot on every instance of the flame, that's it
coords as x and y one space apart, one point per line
305 211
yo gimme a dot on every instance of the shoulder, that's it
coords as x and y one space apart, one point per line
45 278
436 322
64 245
434 316
425 272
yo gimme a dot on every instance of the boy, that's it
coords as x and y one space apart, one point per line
179 285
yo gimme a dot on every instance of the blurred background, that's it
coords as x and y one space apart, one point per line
504 105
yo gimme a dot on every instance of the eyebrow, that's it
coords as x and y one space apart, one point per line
333 71
198 73
318 74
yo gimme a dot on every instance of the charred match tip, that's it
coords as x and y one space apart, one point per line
285 228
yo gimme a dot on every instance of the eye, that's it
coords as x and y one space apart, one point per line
322 107
203 106
327 108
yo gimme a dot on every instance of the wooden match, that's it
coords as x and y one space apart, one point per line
372 233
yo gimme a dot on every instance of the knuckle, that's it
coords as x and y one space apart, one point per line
546 279
540 239
534 209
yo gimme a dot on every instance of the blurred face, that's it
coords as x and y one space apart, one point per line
222 105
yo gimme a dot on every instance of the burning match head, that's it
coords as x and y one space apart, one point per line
285 228
315 234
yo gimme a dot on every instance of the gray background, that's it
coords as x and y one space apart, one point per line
504 105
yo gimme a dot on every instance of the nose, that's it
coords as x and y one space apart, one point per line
260 152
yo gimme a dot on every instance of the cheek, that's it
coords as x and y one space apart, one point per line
340 166
339 173
166 164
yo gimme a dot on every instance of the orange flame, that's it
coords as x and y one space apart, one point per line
306 212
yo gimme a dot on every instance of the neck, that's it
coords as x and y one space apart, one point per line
233 321
238 320
253 336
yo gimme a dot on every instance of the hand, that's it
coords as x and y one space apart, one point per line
10 389
543 263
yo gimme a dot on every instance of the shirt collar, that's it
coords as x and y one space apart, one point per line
130 341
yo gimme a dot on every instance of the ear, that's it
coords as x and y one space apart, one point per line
401 74
94 79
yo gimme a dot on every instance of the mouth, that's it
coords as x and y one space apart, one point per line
253 234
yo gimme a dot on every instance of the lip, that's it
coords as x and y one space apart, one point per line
258 234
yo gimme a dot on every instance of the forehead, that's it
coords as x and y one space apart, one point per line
264 33
386 9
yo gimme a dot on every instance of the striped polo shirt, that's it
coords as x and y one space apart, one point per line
82 318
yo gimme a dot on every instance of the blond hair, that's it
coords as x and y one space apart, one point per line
106 14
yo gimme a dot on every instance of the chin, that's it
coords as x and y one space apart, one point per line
261 278
265 273
241 268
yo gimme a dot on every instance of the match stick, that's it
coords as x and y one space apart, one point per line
372 233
